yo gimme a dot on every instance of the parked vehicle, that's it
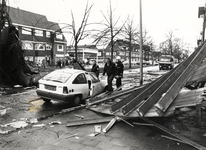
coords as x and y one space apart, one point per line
69 85
144 62
166 62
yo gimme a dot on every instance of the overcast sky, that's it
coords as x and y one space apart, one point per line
159 16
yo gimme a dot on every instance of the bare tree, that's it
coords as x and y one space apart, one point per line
80 33
110 30
172 46
146 39
130 32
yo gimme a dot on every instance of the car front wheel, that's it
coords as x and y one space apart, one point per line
77 100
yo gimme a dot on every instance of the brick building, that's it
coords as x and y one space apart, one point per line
41 39
121 48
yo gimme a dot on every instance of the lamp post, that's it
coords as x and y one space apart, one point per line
141 58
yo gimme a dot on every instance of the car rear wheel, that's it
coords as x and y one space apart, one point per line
46 100
77 100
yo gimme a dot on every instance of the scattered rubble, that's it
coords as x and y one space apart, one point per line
39 125
17 124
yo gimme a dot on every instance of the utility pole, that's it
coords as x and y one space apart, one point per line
141 58
203 29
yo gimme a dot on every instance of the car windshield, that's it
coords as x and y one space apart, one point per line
58 77
166 59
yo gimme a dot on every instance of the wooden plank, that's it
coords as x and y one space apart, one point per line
123 102
173 91
113 95
177 78
105 109
129 107
178 136
89 121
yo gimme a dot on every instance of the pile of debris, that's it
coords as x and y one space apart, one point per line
161 97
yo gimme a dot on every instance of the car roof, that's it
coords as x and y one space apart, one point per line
73 71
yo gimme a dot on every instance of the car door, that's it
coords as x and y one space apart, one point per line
80 85
96 85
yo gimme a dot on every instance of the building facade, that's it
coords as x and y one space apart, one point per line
41 39
121 48
84 52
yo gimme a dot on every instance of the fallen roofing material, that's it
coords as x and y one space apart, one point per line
104 97
156 98
153 97
173 91
185 98
136 97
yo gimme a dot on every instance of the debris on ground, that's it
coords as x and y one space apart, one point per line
79 116
55 122
17 124
109 126
32 120
4 132
142 124
39 125
73 135
2 112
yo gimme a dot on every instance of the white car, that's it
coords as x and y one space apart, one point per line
69 85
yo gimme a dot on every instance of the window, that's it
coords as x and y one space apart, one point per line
26 31
27 45
94 78
48 46
60 47
39 46
48 34
58 76
80 79
107 53
38 32
99 54
59 36
121 53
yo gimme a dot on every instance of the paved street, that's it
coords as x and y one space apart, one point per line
120 137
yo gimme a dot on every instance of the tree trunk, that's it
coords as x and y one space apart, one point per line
75 48
112 48
130 51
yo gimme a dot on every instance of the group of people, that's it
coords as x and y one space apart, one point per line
113 70
60 63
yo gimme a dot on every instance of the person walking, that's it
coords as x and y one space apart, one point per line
95 68
109 69
119 72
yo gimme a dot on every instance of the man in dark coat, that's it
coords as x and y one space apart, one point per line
119 71
95 68
109 68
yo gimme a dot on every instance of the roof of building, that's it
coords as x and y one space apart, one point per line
121 44
31 19
87 46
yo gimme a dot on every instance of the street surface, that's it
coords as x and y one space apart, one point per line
23 104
